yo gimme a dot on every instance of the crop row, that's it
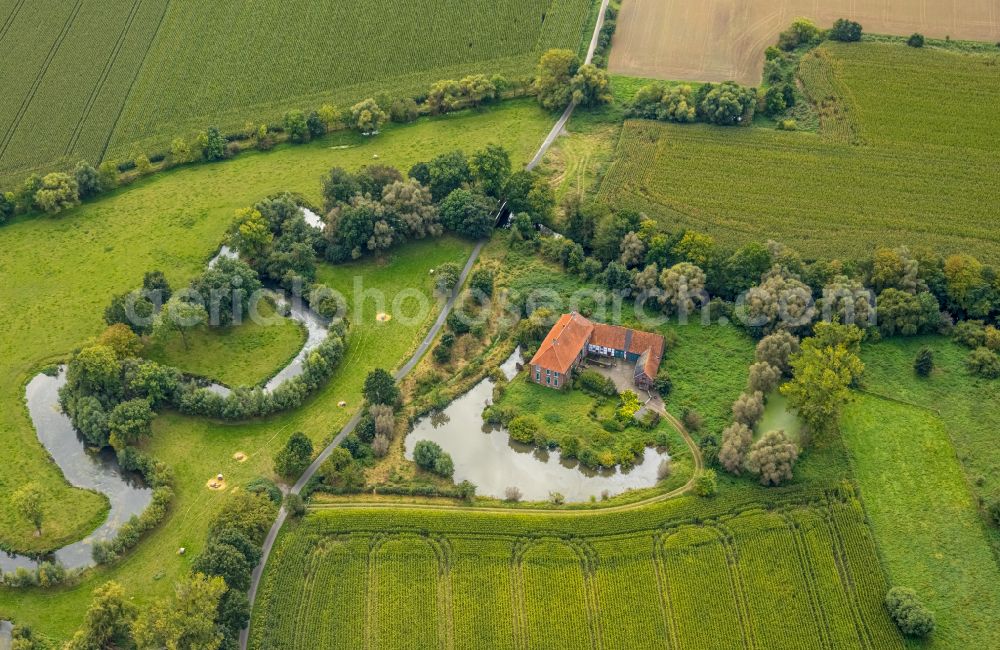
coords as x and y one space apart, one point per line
739 580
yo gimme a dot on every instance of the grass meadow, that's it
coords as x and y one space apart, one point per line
244 355
93 80
174 221
921 173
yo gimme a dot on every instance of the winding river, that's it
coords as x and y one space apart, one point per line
99 471
486 456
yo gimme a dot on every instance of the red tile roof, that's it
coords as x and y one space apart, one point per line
563 343
609 336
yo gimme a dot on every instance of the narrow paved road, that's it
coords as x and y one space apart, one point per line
564 118
272 535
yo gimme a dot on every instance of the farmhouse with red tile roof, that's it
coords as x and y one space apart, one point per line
573 337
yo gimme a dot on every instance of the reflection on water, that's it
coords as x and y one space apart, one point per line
486 456
83 468
5 630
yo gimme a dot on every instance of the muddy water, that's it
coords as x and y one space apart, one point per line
83 469
486 456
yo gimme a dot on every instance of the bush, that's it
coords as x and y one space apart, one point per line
924 363
692 420
911 615
428 455
970 333
523 429
594 382
915 40
295 505
705 485
512 494
265 486
845 30
983 362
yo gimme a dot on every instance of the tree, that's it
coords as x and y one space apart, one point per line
553 78
380 388
411 204
906 314
633 250
108 621
777 350
7 206
180 151
590 86
367 116
727 104
915 40
88 180
58 192
250 234
143 166
657 102
403 110
491 168
447 173
911 616
129 421
121 340
295 126
213 144
380 446
94 370
330 115
444 465
227 289
446 277
426 453
179 316
467 213
772 458
27 502
763 377
246 512
845 30
184 621
801 32
923 365
682 283
385 420
315 125
747 409
227 562
339 186
824 370
774 101
968 289
736 441
482 281
295 456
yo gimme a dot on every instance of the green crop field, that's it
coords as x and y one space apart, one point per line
174 221
923 172
650 577
114 78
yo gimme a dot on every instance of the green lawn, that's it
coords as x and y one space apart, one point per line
924 517
174 221
244 355
923 174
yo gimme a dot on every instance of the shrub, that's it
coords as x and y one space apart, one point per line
747 409
691 419
970 333
915 40
512 494
523 429
295 505
924 363
265 486
663 384
911 615
594 382
705 485
801 32
628 406
983 362
736 440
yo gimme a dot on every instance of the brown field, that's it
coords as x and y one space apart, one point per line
718 40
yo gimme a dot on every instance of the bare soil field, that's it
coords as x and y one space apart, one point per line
718 40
